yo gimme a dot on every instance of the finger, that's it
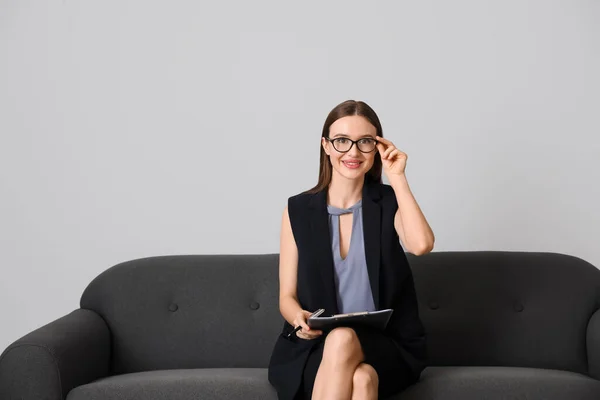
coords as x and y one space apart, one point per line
304 325
305 335
393 154
301 319
388 151
383 140
380 148
309 331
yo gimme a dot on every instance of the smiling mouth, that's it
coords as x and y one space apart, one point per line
352 164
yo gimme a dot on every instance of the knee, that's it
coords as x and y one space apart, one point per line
342 343
365 379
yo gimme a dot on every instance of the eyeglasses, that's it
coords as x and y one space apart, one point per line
343 145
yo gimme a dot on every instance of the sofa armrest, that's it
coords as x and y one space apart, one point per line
53 359
593 345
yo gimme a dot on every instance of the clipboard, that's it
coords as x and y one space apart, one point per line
375 319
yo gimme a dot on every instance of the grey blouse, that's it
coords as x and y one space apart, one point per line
351 276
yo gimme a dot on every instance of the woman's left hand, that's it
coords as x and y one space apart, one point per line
393 160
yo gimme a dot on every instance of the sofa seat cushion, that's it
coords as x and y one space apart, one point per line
493 383
436 383
180 384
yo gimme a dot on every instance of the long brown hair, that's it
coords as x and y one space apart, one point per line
347 108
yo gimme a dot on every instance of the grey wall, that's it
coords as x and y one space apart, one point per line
139 128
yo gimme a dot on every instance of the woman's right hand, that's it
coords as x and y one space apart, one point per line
305 332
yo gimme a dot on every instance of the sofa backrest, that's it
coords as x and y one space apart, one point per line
524 309
479 308
189 311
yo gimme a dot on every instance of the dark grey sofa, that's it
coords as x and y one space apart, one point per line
500 325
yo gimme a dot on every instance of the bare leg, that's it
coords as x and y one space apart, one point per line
365 383
341 355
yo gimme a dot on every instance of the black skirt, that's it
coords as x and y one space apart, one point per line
380 352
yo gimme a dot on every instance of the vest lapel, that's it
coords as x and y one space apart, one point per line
319 221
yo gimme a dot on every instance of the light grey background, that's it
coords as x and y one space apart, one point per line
140 128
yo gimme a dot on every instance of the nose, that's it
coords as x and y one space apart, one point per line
354 152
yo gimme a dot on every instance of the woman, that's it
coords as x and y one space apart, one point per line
341 250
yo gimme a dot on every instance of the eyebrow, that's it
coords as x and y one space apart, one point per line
344 135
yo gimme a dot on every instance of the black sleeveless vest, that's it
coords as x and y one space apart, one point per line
389 273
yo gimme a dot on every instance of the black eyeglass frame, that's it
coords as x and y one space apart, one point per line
353 143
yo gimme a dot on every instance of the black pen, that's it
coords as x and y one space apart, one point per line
315 314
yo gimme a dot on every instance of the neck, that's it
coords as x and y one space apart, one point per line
344 193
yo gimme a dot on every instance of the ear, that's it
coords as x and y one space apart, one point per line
325 145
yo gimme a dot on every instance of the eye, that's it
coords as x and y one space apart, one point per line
341 140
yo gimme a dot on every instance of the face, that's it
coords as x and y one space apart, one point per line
353 164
